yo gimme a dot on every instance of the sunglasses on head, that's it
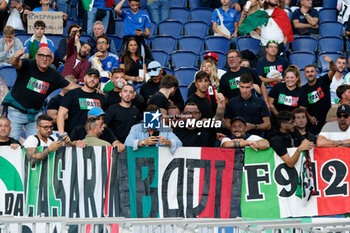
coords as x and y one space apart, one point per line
153 69
340 115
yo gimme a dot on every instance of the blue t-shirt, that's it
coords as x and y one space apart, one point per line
132 21
298 15
49 42
41 9
229 18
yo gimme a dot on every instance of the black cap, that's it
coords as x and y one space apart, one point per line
93 71
238 118
344 108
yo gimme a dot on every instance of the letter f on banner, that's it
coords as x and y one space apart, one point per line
256 174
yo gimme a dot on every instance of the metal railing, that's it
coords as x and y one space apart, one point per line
169 225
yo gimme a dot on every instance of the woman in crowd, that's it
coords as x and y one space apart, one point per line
288 95
132 62
210 68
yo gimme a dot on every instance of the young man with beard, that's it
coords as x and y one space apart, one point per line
103 60
343 93
285 139
240 138
155 71
318 95
336 133
300 119
94 129
122 116
78 102
113 96
167 88
76 62
229 81
338 78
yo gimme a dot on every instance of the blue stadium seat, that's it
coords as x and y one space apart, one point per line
160 56
170 28
191 43
118 41
8 74
184 91
329 4
180 14
196 28
303 79
330 43
55 39
222 58
178 3
166 43
85 37
218 43
119 28
201 14
23 37
325 65
194 3
153 29
304 43
330 28
327 14
185 75
249 43
184 59
168 70
302 59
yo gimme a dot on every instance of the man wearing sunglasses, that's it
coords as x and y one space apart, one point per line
43 138
336 133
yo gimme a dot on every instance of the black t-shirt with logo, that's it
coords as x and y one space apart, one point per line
284 99
230 80
33 86
121 119
318 98
263 67
79 102
208 110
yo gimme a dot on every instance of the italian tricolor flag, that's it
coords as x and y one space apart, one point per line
88 4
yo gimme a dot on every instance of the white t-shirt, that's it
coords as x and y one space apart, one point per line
253 138
332 131
333 88
32 141
271 31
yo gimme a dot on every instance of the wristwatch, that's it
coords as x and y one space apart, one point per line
143 142
305 14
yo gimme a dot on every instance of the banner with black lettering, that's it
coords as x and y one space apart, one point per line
268 184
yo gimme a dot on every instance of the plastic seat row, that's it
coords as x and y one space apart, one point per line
325 43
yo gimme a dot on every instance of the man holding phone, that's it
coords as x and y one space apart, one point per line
43 138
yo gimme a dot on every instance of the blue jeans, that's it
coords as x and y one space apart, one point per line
159 10
92 19
18 120
62 5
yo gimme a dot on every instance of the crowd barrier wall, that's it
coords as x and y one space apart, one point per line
97 182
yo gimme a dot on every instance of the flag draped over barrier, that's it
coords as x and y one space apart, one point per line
194 182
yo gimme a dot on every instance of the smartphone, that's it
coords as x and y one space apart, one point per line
60 138
155 133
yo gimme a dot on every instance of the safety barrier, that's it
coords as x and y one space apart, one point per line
175 225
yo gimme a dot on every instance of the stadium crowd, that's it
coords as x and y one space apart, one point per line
96 89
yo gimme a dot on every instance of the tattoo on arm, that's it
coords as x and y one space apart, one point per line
34 157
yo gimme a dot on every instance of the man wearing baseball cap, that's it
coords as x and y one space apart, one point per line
79 101
240 138
155 71
336 133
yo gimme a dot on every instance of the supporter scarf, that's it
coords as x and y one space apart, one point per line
33 47
261 18
88 4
